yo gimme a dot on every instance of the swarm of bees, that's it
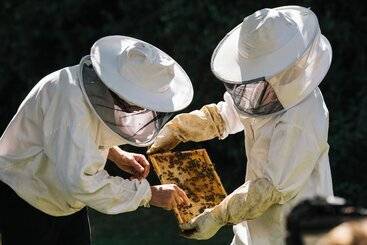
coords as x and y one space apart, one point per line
193 172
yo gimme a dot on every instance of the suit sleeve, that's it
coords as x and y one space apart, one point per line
292 157
70 145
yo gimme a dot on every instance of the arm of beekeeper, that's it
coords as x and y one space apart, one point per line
292 157
79 164
133 163
213 120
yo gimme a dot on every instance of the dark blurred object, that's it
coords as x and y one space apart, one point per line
312 219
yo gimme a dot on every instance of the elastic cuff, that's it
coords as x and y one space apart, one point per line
219 215
146 197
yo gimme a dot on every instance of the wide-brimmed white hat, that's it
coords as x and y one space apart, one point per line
141 74
265 43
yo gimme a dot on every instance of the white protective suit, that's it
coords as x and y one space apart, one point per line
287 152
54 150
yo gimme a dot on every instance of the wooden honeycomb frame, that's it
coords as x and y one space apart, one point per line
194 172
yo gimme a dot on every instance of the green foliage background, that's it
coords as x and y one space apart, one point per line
38 37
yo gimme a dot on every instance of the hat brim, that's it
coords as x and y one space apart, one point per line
104 57
310 78
229 66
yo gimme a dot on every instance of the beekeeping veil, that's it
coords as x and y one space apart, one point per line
271 62
133 87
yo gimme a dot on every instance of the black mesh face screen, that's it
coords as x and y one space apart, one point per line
138 126
126 107
256 98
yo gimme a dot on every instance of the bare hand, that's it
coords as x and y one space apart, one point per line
132 163
168 196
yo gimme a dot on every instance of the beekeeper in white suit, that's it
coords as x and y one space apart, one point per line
53 153
271 65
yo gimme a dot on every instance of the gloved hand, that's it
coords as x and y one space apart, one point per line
247 202
199 125
203 226
166 139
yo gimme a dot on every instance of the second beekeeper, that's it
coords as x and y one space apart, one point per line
271 65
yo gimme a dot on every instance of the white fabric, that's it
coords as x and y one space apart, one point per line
287 151
264 44
141 74
301 78
138 127
304 75
205 225
53 152
230 116
247 202
136 122
290 150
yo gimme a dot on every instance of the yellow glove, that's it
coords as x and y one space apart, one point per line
247 202
198 125
203 226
